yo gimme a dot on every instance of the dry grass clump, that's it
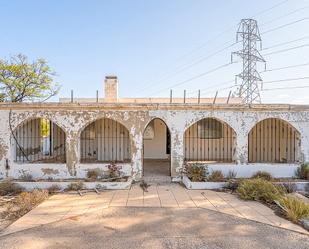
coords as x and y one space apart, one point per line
295 208
54 189
92 174
9 187
216 176
258 189
196 173
25 202
263 175
75 186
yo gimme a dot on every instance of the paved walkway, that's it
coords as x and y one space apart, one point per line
68 205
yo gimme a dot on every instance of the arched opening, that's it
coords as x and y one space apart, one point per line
39 140
156 149
209 140
273 140
105 140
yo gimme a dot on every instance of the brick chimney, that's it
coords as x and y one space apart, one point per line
111 89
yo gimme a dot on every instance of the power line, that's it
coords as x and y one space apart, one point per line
287 49
286 67
285 15
213 86
283 80
270 8
192 64
220 34
193 78
285 88
285 25
285 43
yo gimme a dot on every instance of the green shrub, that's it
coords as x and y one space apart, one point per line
9 187
258 189
302 172
25 202
216 176
74 186
262 175
196 173
295 209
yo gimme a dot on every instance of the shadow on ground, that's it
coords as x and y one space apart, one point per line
133 227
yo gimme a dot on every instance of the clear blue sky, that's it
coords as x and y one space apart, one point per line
145 43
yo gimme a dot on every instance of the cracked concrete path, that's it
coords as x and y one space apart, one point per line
64 206
140 227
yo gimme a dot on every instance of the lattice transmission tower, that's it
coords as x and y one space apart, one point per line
249 34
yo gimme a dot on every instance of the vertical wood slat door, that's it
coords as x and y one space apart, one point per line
273 141
105 140
209 140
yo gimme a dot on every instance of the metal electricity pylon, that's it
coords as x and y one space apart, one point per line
249 34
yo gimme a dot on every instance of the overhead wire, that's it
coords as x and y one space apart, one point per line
285 25
287 49
285 43
194 77
286 67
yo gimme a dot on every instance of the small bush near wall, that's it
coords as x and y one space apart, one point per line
302 172
295 209
54 189
216 176
114 170
8 187
94 174
196 173
260 190
263 175
75 186
27 177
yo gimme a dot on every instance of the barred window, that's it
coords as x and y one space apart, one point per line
209 129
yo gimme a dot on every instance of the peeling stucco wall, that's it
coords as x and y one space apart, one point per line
74 118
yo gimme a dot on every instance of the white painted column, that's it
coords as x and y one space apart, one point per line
177 153
137 153
241 153
5 145
72 152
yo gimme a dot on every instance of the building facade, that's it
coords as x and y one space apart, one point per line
66 139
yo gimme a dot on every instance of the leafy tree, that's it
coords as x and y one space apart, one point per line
21 80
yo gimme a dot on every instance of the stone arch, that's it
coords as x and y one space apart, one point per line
216 117
156 148
99 117
210 139
274 140
104 140
38 139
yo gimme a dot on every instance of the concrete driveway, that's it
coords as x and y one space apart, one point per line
167 216
139 227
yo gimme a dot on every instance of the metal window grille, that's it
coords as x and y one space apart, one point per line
39 141
209 140
105 140
273 141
